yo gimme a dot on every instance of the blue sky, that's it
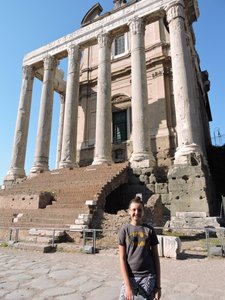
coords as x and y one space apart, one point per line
26 25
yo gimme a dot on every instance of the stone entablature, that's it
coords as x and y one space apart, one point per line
87 35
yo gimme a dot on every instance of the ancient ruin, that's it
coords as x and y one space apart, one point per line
134 92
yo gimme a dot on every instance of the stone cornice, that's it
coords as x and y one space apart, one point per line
152 9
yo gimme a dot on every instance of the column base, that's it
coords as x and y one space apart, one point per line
68 165
141 160
39 168
13 174
186 153
101 161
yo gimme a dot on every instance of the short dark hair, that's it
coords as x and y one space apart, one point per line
136 199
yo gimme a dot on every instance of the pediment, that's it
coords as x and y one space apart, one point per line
92 14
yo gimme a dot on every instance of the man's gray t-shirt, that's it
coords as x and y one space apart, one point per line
138 241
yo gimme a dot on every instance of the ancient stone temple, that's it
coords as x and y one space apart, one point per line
134 91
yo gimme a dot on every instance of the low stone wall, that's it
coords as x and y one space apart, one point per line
25 201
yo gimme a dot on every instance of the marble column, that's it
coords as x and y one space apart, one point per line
141 156
45 116
184 91
21 132
69 141
60 130
103 135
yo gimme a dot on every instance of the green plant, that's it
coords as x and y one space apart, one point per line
3 244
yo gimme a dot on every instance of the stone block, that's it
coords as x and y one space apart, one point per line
80 222
88 249
91 202
165 199
85 216
78 227
160 246
152 179
215 251
25 201
45 232
144 179
151 187
161 188
190 214
171 246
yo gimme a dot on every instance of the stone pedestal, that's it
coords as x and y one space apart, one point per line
188 186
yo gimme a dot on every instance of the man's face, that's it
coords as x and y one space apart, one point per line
136 212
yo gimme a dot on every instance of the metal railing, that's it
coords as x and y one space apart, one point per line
92 238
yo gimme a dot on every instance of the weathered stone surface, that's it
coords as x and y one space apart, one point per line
77 227
161 188
154 210
190 214
187 189
191 226
25 201
171 246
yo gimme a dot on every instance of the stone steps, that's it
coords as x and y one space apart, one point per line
70 189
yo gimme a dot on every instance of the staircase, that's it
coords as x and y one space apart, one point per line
67 191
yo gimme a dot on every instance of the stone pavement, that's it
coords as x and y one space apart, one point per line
79 276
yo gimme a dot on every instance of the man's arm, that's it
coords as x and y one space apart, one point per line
156 260
124 272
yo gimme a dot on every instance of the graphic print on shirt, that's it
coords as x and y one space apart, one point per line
137 239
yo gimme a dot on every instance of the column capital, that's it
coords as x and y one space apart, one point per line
74 51
137 25
175 10
28 72
50 62
104 40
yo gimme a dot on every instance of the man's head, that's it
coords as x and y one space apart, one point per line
136 210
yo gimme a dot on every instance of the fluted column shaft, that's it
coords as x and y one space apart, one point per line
140 128
103 136
184 93
60 130
45 116
69 141
22 124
